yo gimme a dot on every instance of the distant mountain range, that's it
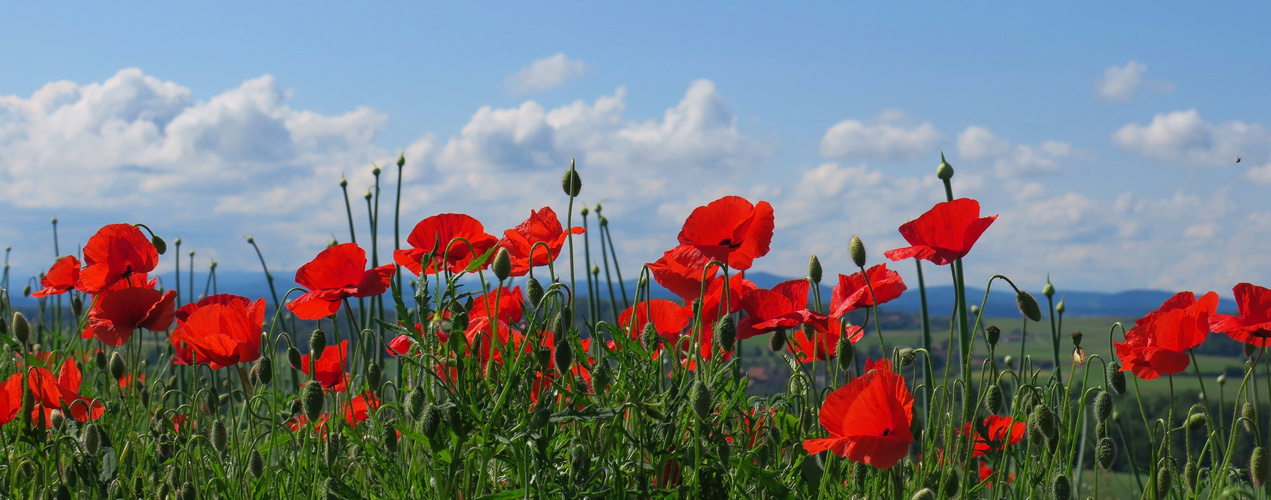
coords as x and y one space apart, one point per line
1130 303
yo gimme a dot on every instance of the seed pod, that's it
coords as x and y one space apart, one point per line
814 269
313 399
1102 406
534 291
1259 467
373 374
317 344
944 172
564 356
1028 306
502 266
432 421
924 494
21 328
92 440
220 441
1248 417
1116 378
1076 338
1164 477
993 399
1105 452
415 402
856 249
1060 488
571 183
293 357
1197 421
777 340
726 333
701 401
992 334
1190 474
264 370
845 352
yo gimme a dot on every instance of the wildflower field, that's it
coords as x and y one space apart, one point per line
472 362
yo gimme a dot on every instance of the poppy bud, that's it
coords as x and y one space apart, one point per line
564 356
649 337
1059 308
331 448
390 438
600 377
220 440
21 328
1028 306
1116 378
595 270
584 211
375 170
975 310
77 306
313 399
415 403
856 248
117 366
1008 361
846 352
777 340
62 493
317 344
256 464
906 356
534 290
293 357
373 374
56 418
1248 417
814 269
26 290
1102 406
924 494
4 325
1259 467
1105 452
1222 379
159 244
726 332
92 440
992 334
213 400
264 370
702 400
432 421
456 420
571 182
188 492
564 318
1197 421
945 171
368 194
1076 338
1060 488
951 485
1048 290
1164 477
297 406
993 399
502 264
604 221
1190 474
1041 423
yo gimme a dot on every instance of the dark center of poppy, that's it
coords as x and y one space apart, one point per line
886 432
728 242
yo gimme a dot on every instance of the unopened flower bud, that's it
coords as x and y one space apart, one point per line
264 370
649 337
1164 477
432 421
1259 467
975 310
344 182
777 340
502 266
416 402
1116 378
924 494
256 464
1103 406
584 211
1248 417
1048 290
601 376
373 374
77 306
1250 349
26 290
571 182
1076 337
845 352
814 269
220 439
1041 423
159 245
907 356
726 333
294 358
1197 421
317 344
1060 488
701 400
368 194
56 419
534 291
564 356
92 440
951 485
993 399
1059 308
1028 306
945 171
856 248
21 328
313 399
1105 452
390 438
117 367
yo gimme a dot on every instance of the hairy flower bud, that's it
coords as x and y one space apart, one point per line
1041 423
726 333
600 377
856 248
1164 477
1259 466
924 494
92 440
1197 421
77 307
777 340
534 291
845 352
1102 406
701 400
571 183
21 328
649 337
1190 474
993 399
1116 378
256 464
432 421
313 399
294 358
264 370
117 366
951 485
1248 417
814 269
373 375
390 438
1060 488
317 344
220 439
502 266
564 356
1028 306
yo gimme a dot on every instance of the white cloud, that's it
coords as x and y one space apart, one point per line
544 74
886 137
1186 138
1119 82
978 143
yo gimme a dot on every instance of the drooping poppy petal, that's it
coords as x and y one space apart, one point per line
223 329
669 319
997 433
680 271
781 308
115 253
63 392
10 398
730 230
60 278
943 234
868 419
335 274
118 313
439 232
823 345
509 309
542 226
330 367
1253 325
853 291
1159 342
400 345
359 408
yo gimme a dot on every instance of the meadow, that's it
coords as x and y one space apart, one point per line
469 363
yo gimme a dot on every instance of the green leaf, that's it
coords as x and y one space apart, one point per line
480 261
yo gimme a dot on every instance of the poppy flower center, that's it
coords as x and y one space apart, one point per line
728 242
886 432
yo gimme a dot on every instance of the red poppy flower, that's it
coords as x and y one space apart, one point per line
542 226
987 472
301 420
360 407
10 398
730 230
63 392
114 254
680 271
222 329
868 419
824 342
434 234
400 345
852 293
998 433
713 303
783 307
510 309
481 329
943 234
1253 325
330 367
335 274
127 380
117 313
60 278
669 319
1159 342
543 381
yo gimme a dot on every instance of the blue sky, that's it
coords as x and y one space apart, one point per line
1104 135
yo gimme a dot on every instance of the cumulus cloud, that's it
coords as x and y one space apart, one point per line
1119 82
544 74
888 136
978 143
1184 137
